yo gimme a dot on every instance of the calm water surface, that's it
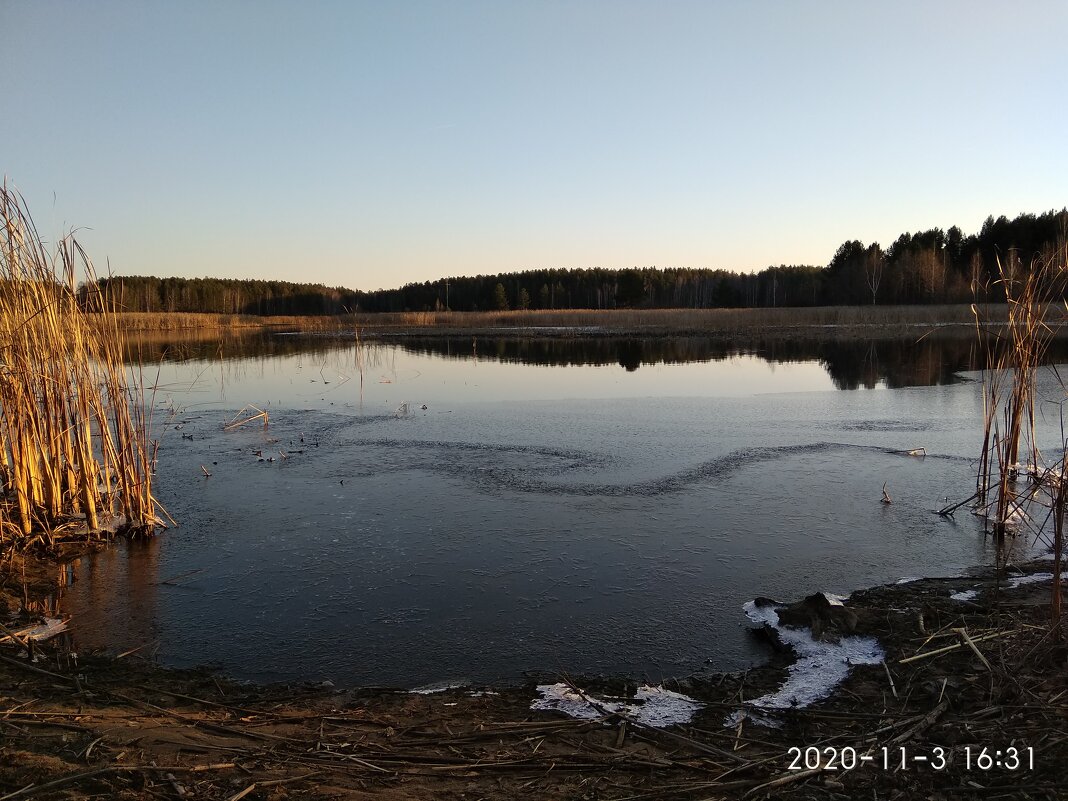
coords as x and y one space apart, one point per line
597 507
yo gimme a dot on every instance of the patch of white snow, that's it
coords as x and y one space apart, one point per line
820 666
652 706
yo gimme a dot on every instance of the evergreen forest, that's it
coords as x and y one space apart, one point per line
932 266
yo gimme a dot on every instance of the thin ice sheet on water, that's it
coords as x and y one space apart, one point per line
964 595
652 706
819 668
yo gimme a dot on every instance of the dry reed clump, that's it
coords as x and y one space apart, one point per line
1022 490
75 454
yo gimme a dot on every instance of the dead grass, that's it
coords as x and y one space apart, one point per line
1028 496
74 444
188 321
589 320
686 319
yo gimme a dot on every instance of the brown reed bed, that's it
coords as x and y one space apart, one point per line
590 322
75 453
686 319
194 321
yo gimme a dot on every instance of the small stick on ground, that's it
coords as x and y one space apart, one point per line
975 649
788 778
890 678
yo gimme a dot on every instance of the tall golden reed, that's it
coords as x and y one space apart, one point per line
75 452
1036 305
1015 351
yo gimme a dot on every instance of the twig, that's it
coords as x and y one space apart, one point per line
971 644
788 778
238 796
924 723
948 648
13 636
125 654
890 678
236 422
949 510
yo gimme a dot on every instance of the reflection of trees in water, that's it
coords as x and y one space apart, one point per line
898 363
909 363
851 363
628 352
224 344
630 355
231 356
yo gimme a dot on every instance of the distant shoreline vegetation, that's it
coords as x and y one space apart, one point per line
815 321
928 267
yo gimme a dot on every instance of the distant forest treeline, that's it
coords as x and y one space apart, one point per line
932 266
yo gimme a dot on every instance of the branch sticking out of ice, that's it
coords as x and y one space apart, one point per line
652 706
820 666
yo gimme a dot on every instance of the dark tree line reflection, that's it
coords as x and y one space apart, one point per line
225 345
851 363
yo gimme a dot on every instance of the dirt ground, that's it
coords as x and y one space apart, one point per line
105 727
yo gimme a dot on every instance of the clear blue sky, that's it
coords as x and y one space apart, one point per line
370 144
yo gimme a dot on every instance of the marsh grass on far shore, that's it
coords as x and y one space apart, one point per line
917 319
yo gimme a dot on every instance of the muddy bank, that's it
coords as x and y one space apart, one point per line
83 726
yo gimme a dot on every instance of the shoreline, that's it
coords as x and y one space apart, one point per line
363 742
808 331
652 322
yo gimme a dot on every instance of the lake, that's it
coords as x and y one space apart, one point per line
481 510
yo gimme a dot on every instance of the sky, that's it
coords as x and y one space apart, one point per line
373 144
